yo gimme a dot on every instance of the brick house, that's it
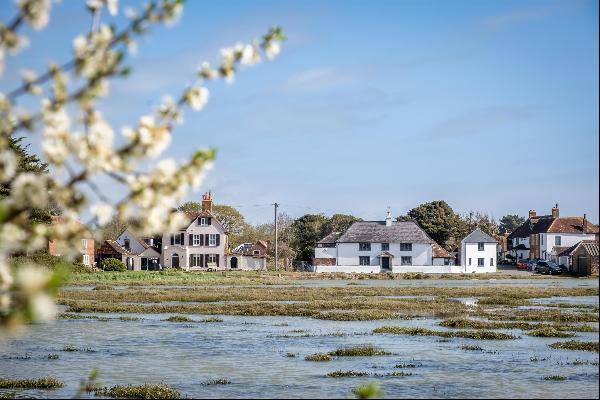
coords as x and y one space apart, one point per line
582 258
86 248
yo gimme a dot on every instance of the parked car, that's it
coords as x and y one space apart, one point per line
522 264
548 268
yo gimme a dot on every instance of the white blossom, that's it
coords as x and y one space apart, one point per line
197 97
30 189
42 307
112 6
30 278
206 72
8 165
272 49
35 12
249 55
103 212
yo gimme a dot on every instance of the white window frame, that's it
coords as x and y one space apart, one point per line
85 259
481 262
364 246
84 244
386 245
481 246
364 258
406 245
177 239
212 258
557 239
196 260
196 240
212 239
402 258
203 221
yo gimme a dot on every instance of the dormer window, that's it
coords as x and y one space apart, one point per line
480 246
203 221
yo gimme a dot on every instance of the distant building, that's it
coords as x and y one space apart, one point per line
86 248
478 252
441 256
199 245
546 236
248 256
135 253
581 258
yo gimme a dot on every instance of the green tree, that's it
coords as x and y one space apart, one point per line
307 231
440 222
339 223
486 223
510 222
112 264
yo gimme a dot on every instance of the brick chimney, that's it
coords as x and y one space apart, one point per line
584 223
388 218
555 211
532 214
207 202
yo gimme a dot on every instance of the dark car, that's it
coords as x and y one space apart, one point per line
548 268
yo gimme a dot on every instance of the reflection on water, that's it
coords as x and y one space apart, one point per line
251 352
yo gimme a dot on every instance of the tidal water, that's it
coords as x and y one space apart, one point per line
252 352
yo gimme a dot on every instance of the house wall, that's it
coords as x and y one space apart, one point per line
470 250
567 240
440 261
184 251
247 263
325 252
348 254
592 262
134 244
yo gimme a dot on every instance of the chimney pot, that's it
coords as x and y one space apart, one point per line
555 211
207 202
532 213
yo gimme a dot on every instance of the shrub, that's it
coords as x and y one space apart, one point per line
318 357
40 383
112 264
575 345
146 391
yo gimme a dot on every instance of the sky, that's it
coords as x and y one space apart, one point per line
491 106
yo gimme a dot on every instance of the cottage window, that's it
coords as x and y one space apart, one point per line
469 261
480 246
385 246
212 240
212 258
176 240
84 244
405 246
256 252
364 246
86 259
557 240
127 244
196 260
406 260
364 260
203 221
446 261
491 262
196 240
542 239
480 262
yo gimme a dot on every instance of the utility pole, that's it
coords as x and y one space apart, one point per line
276 256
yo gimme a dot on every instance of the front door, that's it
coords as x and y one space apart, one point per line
385 262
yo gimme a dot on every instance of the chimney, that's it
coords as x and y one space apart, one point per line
584 223
555 211
532 214
388 218
207 202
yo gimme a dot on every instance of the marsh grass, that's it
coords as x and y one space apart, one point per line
145 391
408 365
39 383
70 348
466 323
549 331
218 381
290 355
53 357
575 345
128 318
417 331
103 287
555 378
178 318
399 373
318 357
212 319
369 391
471 348
358 351
346 374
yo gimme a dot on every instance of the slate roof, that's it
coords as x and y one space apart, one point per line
331 238
521 247
478 236
116 247
440 252
591 247
378 232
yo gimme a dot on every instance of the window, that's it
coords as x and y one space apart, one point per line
196 260
176 240
84 244
196 240
480 246
541 239
86 259
385 246
203 221
480 262
557 240
364 246
212 258
491 262
405 246
446 261
469 261
364 260
256 252
406 260
212 240
127 244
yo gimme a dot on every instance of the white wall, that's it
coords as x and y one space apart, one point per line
428 269
134 245
247 263
471 250
348 254
325 252
567 240
440 261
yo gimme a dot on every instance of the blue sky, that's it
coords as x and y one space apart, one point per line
491 106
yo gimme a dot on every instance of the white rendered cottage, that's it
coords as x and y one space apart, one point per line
376 246
200 245
478 252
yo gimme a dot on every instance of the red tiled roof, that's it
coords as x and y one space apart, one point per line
571 225
590 246
440 252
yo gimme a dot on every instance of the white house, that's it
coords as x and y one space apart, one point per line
200 245
478 252
546 236
144 257
375 246
248 256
